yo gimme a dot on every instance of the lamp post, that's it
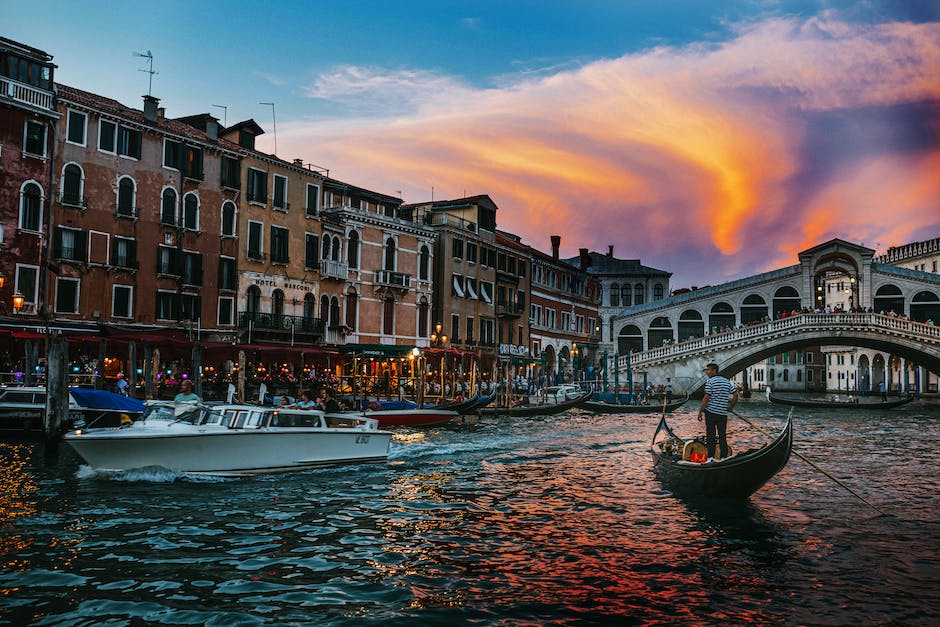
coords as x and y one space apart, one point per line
417 372
574 362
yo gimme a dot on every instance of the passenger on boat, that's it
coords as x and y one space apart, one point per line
327 402
186 394
306 401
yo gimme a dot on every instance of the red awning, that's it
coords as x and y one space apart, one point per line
27 335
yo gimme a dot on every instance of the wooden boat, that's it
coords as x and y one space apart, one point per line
463 406
737 476
821 404
231 440
613 408
408 417
548 409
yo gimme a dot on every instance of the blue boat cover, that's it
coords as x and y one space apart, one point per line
389 405
102 399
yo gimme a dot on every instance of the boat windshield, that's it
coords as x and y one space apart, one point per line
174 413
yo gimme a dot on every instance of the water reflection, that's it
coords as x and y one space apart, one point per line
19 493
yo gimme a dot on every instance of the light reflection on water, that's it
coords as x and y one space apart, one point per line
535 521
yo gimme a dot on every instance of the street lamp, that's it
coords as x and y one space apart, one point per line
438 340
3 280
18 301
574 360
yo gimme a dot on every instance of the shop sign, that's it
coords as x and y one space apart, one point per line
514 350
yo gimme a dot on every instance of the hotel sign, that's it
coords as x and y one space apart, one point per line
515 350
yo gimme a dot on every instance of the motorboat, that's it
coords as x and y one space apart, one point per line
682 464
231 440
23 408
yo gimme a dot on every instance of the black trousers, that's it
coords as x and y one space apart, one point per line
716 425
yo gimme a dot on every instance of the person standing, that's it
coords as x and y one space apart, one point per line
121 384
186 394
668 389
720 398
884 392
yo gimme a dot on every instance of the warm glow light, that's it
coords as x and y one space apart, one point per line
3 280
18 301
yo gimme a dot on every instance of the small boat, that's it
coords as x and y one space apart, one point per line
681 464
101 408
22 408
408 417
462 406
231 440
547 409
822 404
613 408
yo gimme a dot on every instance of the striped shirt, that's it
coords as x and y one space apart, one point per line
719 392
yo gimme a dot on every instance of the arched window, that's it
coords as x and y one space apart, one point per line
630 338
310 310
614 295
168 207
337 249
720 317
228 218
660 332
126 195
253 301
889 298
388 316
277 304
352 250
31 207
626 295
925 306
326 246
424 264
639 294
658 291
72 185
191 212
691 325
334 311
325 309
753 309
786 299
391 254
352 308
423 311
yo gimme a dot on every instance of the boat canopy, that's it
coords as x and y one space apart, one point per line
102 399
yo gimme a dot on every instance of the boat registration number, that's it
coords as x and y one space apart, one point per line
362 439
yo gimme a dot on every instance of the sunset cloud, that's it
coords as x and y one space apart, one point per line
709 160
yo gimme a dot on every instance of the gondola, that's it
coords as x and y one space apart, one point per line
794 402
463 406
738 476
548 409
611 408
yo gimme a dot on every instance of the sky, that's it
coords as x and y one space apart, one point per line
714 140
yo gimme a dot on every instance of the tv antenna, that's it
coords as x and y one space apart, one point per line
149 56
271 104
224 114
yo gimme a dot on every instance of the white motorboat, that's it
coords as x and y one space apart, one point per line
232 440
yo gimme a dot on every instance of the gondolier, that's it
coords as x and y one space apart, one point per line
720 397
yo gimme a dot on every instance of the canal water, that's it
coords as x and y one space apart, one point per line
511 522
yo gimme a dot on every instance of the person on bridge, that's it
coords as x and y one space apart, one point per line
720 398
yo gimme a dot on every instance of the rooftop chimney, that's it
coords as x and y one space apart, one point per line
212 128
556 242
150 108
585 260
161 113
299 163
610 250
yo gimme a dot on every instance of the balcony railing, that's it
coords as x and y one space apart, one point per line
440 218
330 269
504 310
393 279
26 94
280 322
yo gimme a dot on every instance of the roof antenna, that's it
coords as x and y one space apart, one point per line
271 104
149 56
224 114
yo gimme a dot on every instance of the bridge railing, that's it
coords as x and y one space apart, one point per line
800 321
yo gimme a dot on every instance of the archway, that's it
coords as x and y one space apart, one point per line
889 298
721 316
753 309
630 339
864 374
925 306
564 364
660 332
878 368
548 353
786 299
691 325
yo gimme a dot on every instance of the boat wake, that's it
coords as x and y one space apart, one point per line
150 474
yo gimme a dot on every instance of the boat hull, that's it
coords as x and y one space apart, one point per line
737 477
549 409
410 417
792 402
228 452
612 408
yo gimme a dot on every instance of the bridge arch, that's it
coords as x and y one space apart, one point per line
630 339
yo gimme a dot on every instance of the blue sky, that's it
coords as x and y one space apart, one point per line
693 135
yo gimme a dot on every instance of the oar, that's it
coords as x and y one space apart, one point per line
804 458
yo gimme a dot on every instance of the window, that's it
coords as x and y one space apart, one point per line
352 308
192 268
458 286
311 251
172 154
27 282
486 332
76 128
167 260
388 316
486 293
469 337
231 173
66 295
658 291
128 142
455 327
191 212
226 310
126 195
122 299
124 252
423 315
166 306
190 307
255 240
352 249
168 207
31 207
257 186
280 193
34 140
391 256
471 252
228 280
192 163
470 286
313 200
228 218
424 264
279 248
72 185
69 244
107 134
457 248
511 265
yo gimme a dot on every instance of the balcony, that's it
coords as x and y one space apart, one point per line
388 278
504 310
333 270
439 218
25 94
279 325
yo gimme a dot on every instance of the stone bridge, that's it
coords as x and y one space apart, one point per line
734 350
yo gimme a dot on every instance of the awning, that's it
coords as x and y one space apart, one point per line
25 334
375 350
